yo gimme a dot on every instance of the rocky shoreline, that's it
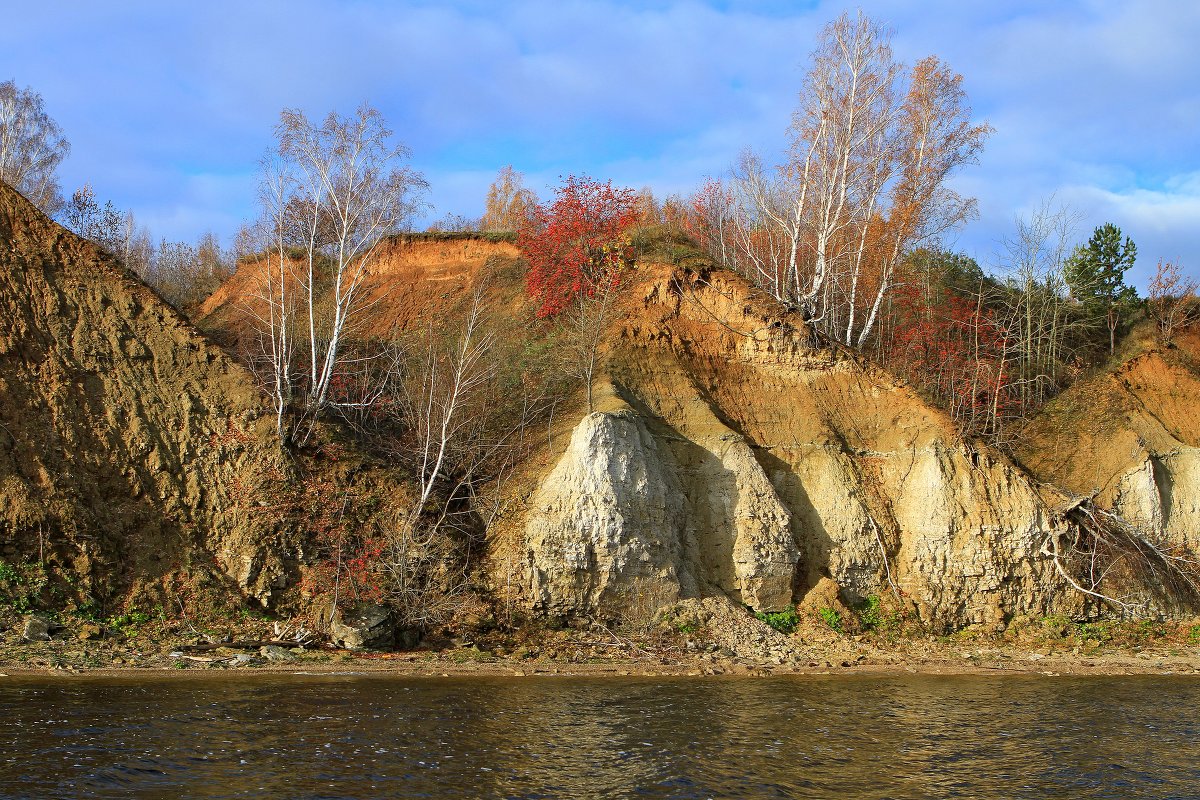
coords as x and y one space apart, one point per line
1015 665
156 651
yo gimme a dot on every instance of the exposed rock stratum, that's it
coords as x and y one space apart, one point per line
730 457
737 457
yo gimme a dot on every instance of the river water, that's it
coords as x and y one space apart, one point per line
796 737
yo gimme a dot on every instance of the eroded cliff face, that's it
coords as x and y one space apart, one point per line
131 449
1130 438
617 493
629 521
736 458
730 456
411 280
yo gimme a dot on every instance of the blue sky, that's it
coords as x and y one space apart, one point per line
169 106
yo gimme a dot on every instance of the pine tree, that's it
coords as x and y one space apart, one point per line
1095 273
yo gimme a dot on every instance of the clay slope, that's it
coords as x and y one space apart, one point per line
413 279
1131 437
131 449
736 457
732 456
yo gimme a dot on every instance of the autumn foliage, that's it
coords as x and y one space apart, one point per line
956 350
577 243
1172 302
865 181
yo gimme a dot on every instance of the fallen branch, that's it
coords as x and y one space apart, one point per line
246 644
1106 541
1053 552
619 642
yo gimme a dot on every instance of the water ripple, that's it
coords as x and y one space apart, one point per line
362 737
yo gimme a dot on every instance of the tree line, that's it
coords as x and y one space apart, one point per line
846 228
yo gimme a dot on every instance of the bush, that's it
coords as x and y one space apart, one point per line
831 618
127 624
870 613
577 244
785 621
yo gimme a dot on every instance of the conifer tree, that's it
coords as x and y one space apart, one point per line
1095 273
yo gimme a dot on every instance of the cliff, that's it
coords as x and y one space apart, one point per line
730 458
131 449
1130 436
410 282
735 456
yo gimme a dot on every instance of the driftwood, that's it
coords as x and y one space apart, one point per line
299 637
245 644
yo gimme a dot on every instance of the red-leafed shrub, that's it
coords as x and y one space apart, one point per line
577 243
956 350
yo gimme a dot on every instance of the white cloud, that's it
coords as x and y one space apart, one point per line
1163 222
1094 100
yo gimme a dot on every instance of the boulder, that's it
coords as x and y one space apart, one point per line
89 631
38 627
273 652
364 628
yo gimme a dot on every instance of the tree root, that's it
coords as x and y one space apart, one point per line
1100 549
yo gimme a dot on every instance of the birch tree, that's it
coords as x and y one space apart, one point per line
465 408
353 191
31 147
1038 316
583 331
872 145
935 136
840 153
276 290
509 203
330 197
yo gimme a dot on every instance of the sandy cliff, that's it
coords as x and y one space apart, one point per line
1131 437
130 447
411 280
737 457
729 455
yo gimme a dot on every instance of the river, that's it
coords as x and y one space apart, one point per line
556 737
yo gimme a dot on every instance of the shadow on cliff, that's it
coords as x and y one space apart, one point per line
712 494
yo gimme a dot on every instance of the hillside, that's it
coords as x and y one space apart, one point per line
1130 436
733 456
730 458
412 280
130 447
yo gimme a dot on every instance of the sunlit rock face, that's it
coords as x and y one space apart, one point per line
740 460
133 452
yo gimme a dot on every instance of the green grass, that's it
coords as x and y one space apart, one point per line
456 236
